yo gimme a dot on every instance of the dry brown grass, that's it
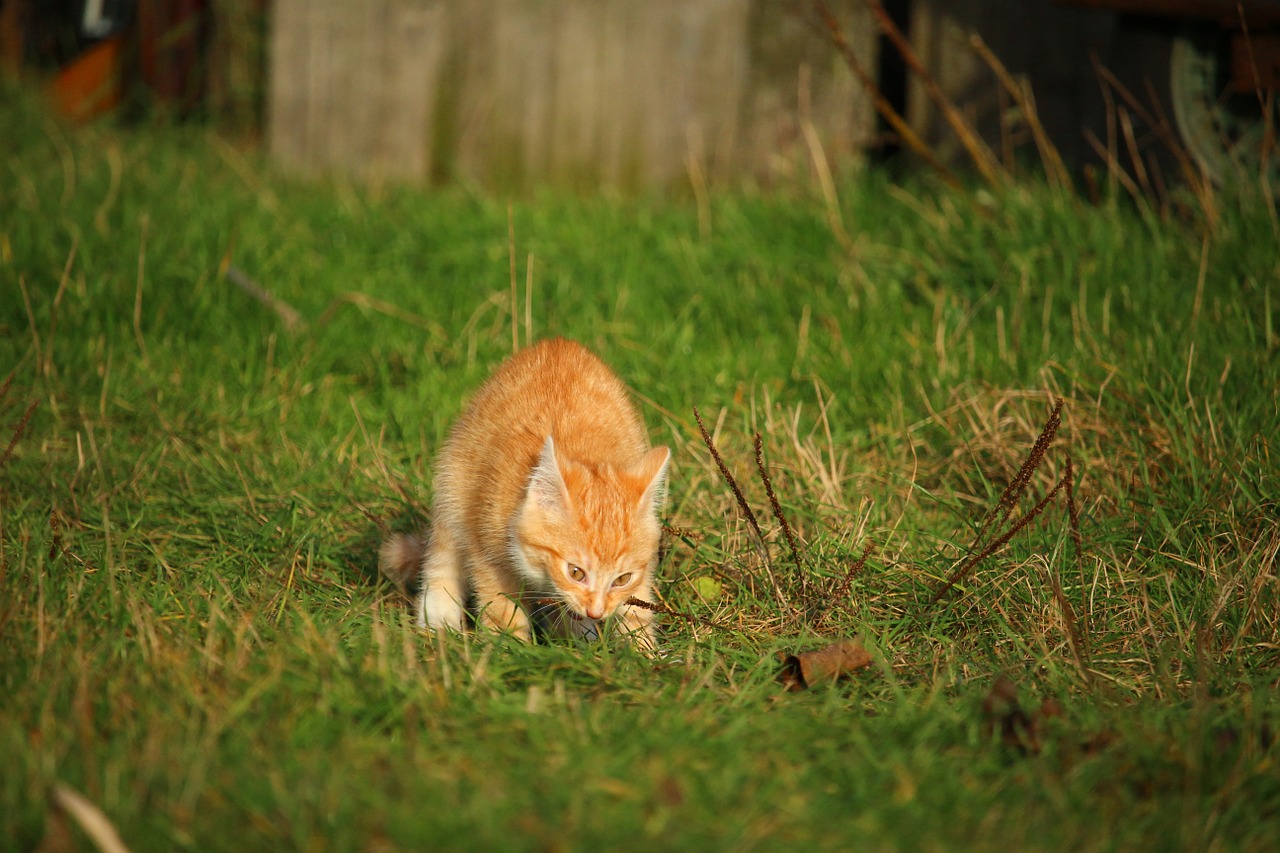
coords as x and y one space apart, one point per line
977 441
1042 563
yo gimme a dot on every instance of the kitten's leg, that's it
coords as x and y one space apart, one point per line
442 599
636 624
496 608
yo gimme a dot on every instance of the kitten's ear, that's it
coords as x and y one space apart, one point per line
546 484
651 470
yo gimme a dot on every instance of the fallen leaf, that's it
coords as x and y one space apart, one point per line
707 588
840 659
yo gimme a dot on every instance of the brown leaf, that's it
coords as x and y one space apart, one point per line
836 661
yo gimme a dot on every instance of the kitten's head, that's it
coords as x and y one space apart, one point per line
589 534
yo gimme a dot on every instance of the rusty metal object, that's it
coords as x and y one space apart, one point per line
90 85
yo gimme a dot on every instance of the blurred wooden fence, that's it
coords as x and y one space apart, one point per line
632 93
586 92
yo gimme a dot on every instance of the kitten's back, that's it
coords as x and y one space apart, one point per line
556 387
546 500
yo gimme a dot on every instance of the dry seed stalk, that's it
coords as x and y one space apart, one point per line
752 524
55 536
650 606
1158 122
1073 512
996 544
787 532
1077 629
290 316
1018 485
1055 168
683 533
1078 650
724 472
841 593
18 430
1077 541
667 611
1012 493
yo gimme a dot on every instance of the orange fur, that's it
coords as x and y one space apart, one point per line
545 489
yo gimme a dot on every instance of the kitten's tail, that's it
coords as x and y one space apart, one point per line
400 560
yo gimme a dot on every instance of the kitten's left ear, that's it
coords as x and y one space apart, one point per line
651 469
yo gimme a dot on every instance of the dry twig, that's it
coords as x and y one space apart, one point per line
89 818
289 315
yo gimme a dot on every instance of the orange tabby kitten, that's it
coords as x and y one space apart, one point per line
545 489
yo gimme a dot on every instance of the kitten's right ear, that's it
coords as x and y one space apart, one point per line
546 484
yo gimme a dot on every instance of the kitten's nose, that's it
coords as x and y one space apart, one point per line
595 609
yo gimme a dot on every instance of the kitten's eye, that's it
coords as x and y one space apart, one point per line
577 573
622 580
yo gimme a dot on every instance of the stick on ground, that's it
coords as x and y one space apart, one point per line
287 313
89 818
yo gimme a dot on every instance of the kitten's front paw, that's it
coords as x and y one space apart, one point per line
440 611
636 624
501 614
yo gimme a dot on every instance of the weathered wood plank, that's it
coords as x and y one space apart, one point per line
582 92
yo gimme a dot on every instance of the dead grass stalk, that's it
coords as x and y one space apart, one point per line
752 524
831 26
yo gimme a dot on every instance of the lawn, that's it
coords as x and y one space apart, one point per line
194 483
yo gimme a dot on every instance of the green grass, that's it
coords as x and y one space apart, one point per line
201 646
